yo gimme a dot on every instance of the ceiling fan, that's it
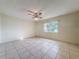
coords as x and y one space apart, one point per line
36 15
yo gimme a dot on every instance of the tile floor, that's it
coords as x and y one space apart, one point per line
38 48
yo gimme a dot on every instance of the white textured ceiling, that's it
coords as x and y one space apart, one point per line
50 8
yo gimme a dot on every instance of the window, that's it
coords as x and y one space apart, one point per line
51 26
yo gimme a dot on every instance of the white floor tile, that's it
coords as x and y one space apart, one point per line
38 48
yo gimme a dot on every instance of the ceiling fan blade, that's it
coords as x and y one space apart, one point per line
30 11
40 13
30 14
35 14
40 17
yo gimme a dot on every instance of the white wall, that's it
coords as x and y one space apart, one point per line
68 28
14 28
0 29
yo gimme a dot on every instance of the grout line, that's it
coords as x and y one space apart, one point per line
17 52
5 53
29 52
57 54
45 53
41 57
69 54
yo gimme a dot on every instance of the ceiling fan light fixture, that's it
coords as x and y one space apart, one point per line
36 15
36 19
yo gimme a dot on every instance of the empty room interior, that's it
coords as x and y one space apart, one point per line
39 29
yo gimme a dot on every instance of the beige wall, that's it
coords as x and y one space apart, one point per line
14 28
68 28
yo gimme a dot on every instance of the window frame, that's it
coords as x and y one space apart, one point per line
45 24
